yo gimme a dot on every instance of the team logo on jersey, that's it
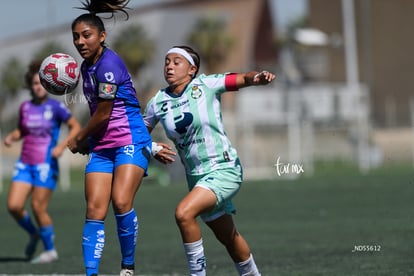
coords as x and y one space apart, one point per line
109 76
196 92
48 114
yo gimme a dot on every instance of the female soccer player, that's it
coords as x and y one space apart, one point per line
119 141
189 111
36 171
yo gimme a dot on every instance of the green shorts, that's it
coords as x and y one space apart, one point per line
225 183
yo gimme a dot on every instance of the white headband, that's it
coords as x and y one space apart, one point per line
182 52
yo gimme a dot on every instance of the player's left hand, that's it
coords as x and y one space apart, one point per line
263 78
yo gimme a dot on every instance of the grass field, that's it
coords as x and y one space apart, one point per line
308 226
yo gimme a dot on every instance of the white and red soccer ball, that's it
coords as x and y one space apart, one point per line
59 74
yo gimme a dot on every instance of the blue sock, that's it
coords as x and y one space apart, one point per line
93 242
47 235
127 225
27 225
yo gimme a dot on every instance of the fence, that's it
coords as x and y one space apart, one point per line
286 128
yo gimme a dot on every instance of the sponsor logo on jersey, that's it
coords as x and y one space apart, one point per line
165 107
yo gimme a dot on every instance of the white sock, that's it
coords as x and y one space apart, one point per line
195 258
247 267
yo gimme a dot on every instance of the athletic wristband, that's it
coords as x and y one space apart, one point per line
155 148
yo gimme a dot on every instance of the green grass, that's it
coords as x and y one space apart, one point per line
307 226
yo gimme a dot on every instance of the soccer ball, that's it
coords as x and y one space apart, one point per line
59 74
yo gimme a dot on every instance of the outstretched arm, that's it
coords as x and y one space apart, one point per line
254 78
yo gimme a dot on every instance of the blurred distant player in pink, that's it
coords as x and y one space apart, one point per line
36 172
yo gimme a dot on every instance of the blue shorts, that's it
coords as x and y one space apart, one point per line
107 160
39 175
225 183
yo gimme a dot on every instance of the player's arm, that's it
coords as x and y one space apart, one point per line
252 78
98 121
74 128
13 136
161 151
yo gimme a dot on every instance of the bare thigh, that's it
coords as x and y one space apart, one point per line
127 180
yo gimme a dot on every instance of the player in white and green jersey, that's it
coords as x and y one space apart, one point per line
193 122
189 111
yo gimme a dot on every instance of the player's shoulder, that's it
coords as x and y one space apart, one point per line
111 56
25 106
111 67
53 102
210 81
56 104
160 95
25 103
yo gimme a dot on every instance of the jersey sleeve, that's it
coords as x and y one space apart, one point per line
109 78
150 118
220 82
214 82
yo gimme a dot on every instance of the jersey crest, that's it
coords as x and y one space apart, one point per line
196 92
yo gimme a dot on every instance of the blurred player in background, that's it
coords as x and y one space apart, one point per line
119 142
36 172
189 111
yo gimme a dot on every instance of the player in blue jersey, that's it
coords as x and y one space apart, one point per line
119 142
189 111
36 171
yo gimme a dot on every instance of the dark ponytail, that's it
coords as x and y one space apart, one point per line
100 6
106 6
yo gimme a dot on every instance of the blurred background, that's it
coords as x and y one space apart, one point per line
342 93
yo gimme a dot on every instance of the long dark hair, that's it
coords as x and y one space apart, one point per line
105 6
32 70
100 6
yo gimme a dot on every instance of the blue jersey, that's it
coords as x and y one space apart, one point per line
40 125
109 79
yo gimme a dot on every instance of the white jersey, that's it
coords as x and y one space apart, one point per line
193 121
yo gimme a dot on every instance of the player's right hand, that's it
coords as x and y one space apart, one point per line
165 155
